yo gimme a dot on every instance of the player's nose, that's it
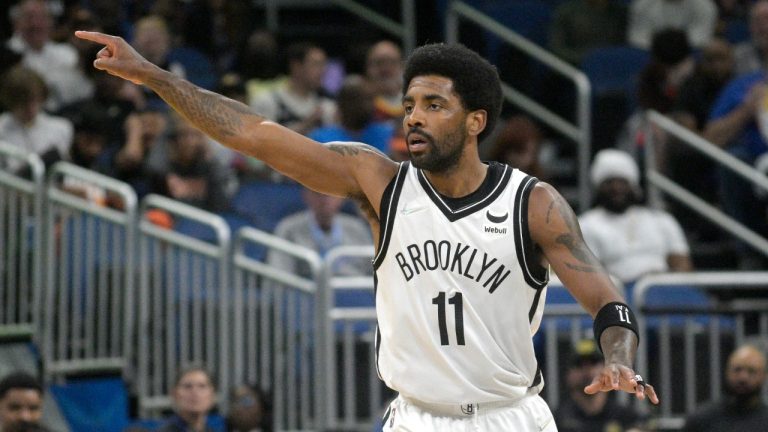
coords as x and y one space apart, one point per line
414 118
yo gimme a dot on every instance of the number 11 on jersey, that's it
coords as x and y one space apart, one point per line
458 309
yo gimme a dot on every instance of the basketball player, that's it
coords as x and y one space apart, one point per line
463 246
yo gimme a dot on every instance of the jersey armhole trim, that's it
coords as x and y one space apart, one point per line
534 273
387 212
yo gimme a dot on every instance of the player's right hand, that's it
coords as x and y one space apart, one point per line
117 57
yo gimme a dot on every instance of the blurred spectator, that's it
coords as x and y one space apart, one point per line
738 123
194 175
658 85
713 71
217 28
116 99
630 240
355 113
697 18
384 71
258 63
21 402
519 145
250 410
145 150
299 103
579 26
671 63
750 55
194 395
322 227
25 124
686 166
600 412
743 408
152 38
88 151
57 63
729 10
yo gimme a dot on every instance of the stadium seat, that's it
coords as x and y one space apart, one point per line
264 204
93 404
192 228
529 18
613 73
613 69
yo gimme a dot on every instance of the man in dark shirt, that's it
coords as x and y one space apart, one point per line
580 412
742 409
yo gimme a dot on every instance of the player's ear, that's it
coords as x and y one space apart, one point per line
476 121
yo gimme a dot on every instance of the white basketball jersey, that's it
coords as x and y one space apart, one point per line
458 296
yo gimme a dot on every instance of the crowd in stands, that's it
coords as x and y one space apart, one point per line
55 104
58 106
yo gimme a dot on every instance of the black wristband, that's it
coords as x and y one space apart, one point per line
614 314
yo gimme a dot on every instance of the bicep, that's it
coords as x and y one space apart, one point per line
340 169
555 229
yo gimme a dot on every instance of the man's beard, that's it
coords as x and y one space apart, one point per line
613 205
743 395
442 156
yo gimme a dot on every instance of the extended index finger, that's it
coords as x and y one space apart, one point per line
97 37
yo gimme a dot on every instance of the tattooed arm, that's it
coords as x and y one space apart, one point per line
342 169
554 228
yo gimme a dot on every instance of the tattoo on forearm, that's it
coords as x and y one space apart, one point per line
213 113
573 242
583 269
577 248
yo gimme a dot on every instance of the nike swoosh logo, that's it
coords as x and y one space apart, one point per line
496 219
407 211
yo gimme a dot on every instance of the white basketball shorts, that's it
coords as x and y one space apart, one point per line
530 414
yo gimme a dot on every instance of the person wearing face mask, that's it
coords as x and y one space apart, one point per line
742 409
630 239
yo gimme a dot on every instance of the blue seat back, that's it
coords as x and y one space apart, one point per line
93 404
614 69
264 204
529 18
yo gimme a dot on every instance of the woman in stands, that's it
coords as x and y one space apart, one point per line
194 395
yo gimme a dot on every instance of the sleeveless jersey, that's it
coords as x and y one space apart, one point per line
458 297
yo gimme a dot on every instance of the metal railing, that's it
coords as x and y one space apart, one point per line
277 344
202 300
578 131
21 235
657 181
350 326
89 288
185 299
701 319
406 30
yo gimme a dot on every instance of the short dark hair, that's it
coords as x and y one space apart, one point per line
19 380
297 52
475 81
188 369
